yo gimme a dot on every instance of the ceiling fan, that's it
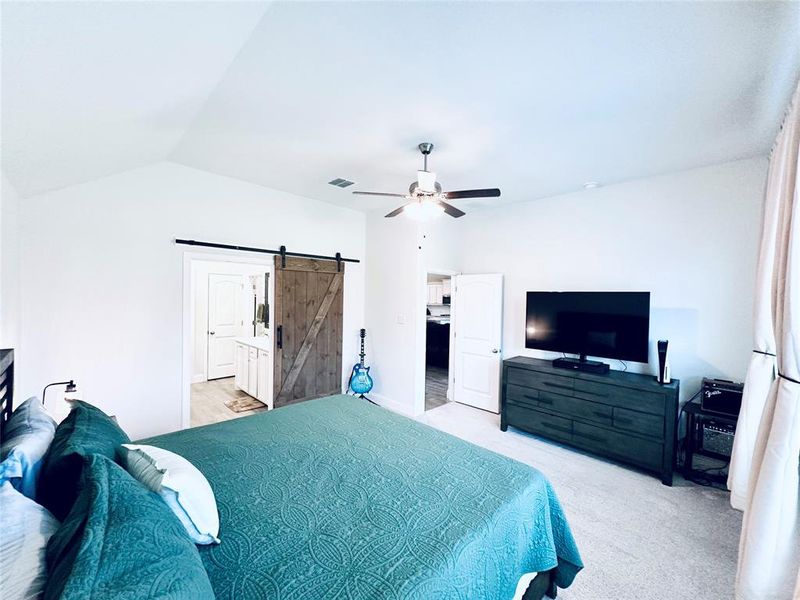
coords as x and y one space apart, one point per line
425 196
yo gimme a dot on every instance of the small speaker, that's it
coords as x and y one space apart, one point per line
663 363
718 438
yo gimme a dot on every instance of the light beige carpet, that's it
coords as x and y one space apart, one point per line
639 539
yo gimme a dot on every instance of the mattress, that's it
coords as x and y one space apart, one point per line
338 498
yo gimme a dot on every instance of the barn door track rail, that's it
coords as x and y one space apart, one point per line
282 252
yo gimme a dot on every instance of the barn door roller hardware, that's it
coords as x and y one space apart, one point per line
282 252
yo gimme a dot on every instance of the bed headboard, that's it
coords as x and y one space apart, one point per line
6 384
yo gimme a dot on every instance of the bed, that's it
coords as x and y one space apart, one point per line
338 498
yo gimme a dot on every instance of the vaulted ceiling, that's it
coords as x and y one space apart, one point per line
535 98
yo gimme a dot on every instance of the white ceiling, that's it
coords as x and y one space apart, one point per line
534 98
95 88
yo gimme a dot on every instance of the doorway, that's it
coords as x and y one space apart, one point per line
475 324
227 308
438 339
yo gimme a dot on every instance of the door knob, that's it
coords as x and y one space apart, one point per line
210 333
495 350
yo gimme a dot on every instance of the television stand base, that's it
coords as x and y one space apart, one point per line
576 364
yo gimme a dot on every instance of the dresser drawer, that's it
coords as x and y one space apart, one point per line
630 449
649 402
539 422
523 396
631 420
577 408
539 381
568 406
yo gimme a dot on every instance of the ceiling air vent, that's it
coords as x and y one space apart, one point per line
342 183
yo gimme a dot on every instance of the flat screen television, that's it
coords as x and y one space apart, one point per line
606 324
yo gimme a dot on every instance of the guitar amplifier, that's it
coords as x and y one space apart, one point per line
721 396
717 438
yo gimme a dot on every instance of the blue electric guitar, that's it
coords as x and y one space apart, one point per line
360 381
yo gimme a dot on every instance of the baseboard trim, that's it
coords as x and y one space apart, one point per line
392 405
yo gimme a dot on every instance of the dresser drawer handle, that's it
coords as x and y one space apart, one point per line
591 437
540 400
558 385
560 428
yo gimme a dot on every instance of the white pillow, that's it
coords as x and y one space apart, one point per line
185 490
25 528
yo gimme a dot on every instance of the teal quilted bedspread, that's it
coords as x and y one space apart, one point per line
337 498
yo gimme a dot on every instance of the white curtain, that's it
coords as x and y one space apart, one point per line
769 548
761 371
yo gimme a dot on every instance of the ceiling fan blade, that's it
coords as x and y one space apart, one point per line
380 194
396 211
487 193
451 210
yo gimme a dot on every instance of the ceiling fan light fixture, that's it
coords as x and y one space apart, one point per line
423 211
428 200
426 181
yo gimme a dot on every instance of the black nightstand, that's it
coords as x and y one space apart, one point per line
707 434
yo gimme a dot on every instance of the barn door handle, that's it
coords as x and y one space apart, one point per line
279 336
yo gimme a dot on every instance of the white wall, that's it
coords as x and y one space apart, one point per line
393 257
9 268
690 238
102 279
200 272
400 253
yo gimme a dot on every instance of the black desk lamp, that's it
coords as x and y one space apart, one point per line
69 391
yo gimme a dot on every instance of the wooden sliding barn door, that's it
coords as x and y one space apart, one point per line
308 329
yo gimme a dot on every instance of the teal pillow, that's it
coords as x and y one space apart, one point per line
121 541
87 430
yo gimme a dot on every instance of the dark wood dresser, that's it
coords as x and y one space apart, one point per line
627 417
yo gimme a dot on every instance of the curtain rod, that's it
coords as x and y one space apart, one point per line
282 252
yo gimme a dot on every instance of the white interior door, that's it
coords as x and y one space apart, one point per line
224 323
478 301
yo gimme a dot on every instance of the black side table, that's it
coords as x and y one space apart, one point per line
697 421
